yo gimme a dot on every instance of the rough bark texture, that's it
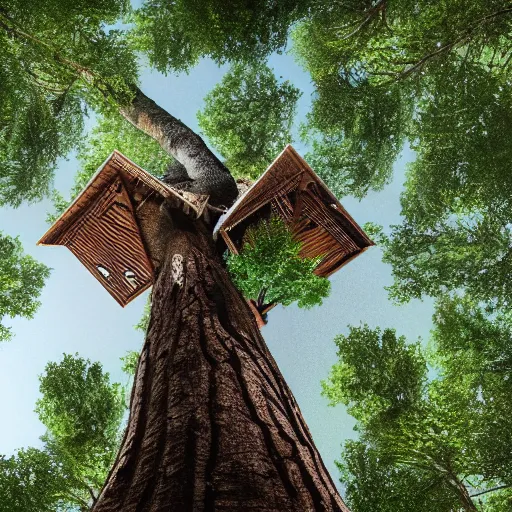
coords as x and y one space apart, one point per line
176 175
207 172
213 425
462 491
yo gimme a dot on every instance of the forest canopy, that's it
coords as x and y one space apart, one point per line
433 423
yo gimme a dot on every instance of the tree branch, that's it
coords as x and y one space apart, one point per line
379 6
93 496
449 46
208 174
507 486
261 297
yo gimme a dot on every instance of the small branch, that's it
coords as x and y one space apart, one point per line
359 27
505 64
261 297
379 6
83 72
451 45
491 490
93 496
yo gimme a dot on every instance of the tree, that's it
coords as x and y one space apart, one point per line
474 353
456 198
437 76
471 252
375 482
270 270
21 281
248 117
239 440
98 68
176 35
427 443
82 411
30 481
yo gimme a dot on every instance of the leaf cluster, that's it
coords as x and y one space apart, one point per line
50 57
248 117
269 265
378 65
175 35
433 426
21 281
82 411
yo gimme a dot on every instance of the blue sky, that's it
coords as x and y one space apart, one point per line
78 316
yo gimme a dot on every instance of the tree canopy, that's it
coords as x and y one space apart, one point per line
175 35
82 411
248 117
21 281
434 75
433 426
269 268
42 97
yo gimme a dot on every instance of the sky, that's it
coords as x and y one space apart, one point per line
78 316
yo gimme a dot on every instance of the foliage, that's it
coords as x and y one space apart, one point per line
427 440
356 134
437 75
146 315
376 483
474 353
82 411
456 203
130 361
467 251
176 34
21 281
381 42
30 481
382 377
44 86
248 117
269 268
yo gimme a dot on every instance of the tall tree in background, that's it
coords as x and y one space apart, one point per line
239 440
21 281
175 35
428 443
248 117
436 75
82 411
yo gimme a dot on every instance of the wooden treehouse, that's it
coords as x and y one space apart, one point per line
110 227
291 189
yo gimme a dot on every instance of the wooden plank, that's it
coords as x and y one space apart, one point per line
108 236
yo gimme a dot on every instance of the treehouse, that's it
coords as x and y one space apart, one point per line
109 227
112 225
291 189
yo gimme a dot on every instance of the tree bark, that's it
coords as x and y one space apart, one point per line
462 491
208 174
213 425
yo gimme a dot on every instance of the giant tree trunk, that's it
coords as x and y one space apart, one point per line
213 425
